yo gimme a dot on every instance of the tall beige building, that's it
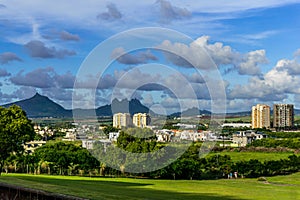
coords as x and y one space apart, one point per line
122 120
283 115
261 116
141 120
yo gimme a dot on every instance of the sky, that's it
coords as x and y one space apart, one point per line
219 54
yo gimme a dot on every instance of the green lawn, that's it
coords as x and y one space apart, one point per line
261 156
280 187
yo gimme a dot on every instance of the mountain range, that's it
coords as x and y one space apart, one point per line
41 106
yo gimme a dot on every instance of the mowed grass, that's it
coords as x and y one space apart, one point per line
261 156
280 187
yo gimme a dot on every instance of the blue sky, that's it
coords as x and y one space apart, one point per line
255 46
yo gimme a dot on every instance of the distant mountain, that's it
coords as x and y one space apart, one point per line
191 112
239 114
41 106
124 106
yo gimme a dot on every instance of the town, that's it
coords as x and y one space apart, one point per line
244 133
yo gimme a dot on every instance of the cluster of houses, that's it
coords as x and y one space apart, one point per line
85 133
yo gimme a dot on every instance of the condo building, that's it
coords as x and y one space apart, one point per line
283 115
141 120
260 116
122 120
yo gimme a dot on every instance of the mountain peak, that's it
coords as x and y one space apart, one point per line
41 106
37 95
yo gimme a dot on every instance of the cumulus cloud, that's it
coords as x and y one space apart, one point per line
40 78
64 80
195 78
203 55
199 53
275 85
43 78
38 49
250 62
129 59
168 12
4 72
186 55
7 57
6 98
24 92
291 66
112 13
64 35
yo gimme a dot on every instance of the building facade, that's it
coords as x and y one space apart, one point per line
122 120
242 138
283 115
260 116
141 120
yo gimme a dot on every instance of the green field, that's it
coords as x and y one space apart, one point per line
280 187
245 119
261 156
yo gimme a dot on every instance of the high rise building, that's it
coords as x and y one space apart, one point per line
283 115
122 120
141 120
260 116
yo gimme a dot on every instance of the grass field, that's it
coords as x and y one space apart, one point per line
261 156
280 187
241 118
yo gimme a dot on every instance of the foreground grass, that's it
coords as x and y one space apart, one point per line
261 156
280 187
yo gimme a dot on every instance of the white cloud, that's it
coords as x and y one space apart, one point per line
169 12
203 55
112 13
250 62
275 85
130 59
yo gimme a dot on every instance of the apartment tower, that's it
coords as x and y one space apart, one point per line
122 120
260 116
283 115
141 120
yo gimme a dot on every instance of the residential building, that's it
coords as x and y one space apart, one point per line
122 120
113 136
141 120
242 138
260 116
88 144
283 115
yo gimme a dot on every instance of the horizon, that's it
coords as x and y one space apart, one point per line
252 46
37 94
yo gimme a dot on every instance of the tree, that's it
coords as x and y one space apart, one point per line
15 130
65 156
109 129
